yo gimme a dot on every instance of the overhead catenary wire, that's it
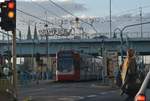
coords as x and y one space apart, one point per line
129 10
46 21
8 34
57 5
74 15
33 16
51 12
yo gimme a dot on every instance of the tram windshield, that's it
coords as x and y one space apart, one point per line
65 63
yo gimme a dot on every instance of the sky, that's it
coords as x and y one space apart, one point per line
101 7
123 12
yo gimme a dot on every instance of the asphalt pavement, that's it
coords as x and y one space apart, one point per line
69 91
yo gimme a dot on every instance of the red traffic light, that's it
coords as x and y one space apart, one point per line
11 5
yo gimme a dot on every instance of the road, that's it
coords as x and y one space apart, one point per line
75 91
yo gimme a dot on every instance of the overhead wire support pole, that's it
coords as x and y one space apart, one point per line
110 21
141 21
47 39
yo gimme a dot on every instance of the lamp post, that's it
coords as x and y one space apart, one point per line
121 41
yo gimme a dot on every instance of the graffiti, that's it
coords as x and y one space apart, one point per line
55 32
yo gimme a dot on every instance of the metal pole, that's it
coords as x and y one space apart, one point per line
14 62
141 28
121 36
48 51
20 45
33 52
110 21
4 37
46 25
8 42
47 48
141 22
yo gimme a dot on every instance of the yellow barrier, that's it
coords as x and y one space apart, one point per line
5 84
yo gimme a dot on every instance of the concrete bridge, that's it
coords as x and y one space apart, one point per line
91 46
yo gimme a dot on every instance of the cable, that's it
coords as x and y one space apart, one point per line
72 15
34 16
147 6
30 24
7 34
37 17
47 10
61 8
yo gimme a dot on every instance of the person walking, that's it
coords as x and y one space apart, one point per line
129 74
38 74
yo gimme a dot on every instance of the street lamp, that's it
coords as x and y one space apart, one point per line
121 34
121 41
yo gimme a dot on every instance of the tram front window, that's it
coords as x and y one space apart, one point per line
65 64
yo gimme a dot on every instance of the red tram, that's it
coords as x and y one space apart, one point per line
73 66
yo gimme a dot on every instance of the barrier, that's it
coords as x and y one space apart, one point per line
5 84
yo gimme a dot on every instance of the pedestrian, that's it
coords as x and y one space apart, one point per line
38 74
129 74
118 76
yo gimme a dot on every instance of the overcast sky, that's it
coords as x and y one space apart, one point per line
101 7
84 8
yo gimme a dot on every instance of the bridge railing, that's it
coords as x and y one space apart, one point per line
134 34
86 36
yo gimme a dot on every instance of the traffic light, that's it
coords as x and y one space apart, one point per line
8 15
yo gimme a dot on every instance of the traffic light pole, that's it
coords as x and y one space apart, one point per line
14 63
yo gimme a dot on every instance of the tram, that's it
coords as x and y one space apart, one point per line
74 66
